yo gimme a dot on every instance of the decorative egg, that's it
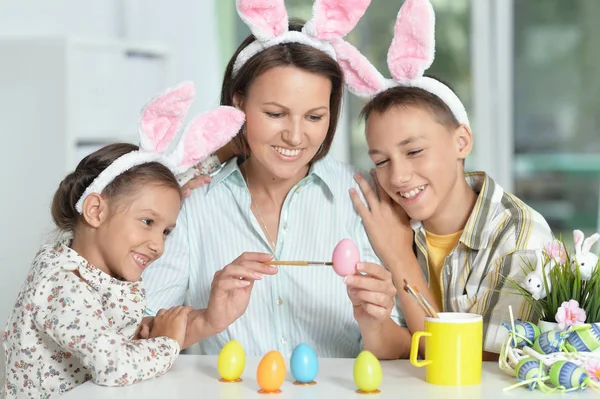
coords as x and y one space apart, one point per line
367 372
270 373
526 333
584 338
567 374
231 361
528 369
304 364
345 257
548 342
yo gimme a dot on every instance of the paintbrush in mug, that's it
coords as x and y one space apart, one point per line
417 300
427 304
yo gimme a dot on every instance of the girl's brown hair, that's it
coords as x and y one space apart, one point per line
126 184
286 54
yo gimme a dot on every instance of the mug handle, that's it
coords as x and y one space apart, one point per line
414 349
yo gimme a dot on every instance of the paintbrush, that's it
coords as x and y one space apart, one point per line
298 263
416 299
426 303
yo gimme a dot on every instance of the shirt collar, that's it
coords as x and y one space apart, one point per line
477 231
229 171
322 170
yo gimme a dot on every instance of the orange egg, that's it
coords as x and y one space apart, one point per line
270 373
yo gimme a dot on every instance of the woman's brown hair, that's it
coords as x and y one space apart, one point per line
286 54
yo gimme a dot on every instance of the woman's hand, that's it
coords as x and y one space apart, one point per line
372 293
231 288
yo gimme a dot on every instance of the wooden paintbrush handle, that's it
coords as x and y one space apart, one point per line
287 263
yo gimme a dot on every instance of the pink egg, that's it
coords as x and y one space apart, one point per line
345 257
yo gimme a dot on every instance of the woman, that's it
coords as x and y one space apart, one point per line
282 199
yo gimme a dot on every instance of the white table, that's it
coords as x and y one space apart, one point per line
194 376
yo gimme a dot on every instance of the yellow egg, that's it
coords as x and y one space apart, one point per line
232 361
270 373
367 372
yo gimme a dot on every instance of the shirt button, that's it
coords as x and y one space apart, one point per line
280 301
285 227
283 340
297 190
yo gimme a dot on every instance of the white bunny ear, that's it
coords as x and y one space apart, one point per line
539 258
162 117
578 239
413 47
207 133
266 19
589 242
360 76
335 18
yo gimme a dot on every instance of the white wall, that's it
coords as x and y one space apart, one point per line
186 27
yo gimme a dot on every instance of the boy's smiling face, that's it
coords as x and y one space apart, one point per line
418 160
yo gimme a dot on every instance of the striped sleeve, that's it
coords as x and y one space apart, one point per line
167 278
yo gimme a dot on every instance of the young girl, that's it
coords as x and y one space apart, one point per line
77 313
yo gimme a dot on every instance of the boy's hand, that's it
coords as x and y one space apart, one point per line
171 323
231 288
372 294
386 223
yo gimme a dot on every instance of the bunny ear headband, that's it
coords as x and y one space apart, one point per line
268 22
410 54
159 123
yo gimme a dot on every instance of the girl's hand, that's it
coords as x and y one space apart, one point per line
171 323
231 288
196 182
372 294
386 223
143 331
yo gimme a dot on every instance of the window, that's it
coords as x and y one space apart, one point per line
556 103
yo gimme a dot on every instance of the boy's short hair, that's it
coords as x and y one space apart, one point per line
405 96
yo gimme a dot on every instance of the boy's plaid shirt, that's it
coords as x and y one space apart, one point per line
500 234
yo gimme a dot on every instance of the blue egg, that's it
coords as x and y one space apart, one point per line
304 364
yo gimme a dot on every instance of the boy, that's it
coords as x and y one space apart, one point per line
469 233
466 235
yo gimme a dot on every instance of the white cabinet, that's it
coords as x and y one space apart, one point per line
60 98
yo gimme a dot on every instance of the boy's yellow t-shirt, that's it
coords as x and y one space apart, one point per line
438 248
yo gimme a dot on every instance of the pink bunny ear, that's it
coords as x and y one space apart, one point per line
162 117
207 133
265 18
578 238
335 18
360 76
589 242
413 46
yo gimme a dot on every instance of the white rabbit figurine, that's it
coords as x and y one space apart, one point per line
534 281
587 261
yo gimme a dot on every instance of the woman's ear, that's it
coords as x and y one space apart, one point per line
238 101
464 141
95 210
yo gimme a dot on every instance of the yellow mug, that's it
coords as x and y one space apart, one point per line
453 349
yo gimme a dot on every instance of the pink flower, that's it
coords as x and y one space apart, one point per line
569 314
592 366
556 251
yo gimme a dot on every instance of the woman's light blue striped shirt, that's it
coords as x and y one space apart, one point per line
298 305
